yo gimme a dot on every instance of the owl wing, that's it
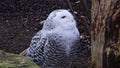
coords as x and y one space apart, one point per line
36 49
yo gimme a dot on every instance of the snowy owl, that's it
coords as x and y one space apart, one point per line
57 45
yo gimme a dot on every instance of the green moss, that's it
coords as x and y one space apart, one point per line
8 60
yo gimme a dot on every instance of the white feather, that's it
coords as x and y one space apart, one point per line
65 25
60 22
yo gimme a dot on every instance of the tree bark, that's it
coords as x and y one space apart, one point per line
105 30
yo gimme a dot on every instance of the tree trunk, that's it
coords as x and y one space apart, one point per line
105 31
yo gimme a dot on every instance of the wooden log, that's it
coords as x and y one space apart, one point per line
105 14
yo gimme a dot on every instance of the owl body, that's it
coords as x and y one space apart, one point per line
58 49
57 45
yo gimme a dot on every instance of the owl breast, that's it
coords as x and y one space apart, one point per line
66 39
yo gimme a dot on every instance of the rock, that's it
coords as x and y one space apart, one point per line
9 60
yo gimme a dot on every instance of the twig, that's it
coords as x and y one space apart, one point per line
83 22
85 6
68 1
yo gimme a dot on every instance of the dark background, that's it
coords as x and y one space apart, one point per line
20 20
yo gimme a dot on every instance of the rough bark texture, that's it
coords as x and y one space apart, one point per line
105 31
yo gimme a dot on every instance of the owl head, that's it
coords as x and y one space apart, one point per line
60 19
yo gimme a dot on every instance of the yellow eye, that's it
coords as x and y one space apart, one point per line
63 17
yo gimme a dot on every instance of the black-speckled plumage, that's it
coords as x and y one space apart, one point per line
58 46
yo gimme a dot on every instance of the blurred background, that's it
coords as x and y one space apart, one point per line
20 20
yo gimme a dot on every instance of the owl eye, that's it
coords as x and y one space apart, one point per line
63 17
